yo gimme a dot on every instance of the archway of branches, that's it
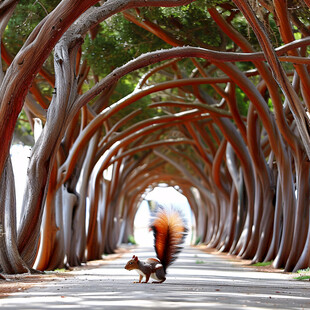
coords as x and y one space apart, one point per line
234 139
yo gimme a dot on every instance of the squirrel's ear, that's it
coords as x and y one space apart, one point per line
136 258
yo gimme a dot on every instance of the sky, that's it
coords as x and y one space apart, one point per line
20 157
167 197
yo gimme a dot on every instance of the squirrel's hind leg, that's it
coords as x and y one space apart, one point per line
159 275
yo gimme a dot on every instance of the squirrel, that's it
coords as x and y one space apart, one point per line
169 229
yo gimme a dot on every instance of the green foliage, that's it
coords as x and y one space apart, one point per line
242 102
23 123
57 270
303 270
124 87
300 9
23 131
131 239
60 270
198 240
302 278
25 18
270 105
262 264
198 6
304 274
118 42
179 21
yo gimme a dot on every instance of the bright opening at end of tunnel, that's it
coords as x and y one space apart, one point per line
168 197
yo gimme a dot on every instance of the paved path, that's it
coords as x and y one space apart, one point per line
196 281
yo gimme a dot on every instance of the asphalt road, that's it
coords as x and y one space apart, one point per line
197 280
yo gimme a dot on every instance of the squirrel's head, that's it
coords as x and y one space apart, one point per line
132 264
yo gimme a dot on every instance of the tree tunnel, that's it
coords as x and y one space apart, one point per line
211 97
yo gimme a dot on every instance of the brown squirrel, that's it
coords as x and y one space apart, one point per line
169 229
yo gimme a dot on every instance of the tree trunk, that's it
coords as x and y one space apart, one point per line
10 260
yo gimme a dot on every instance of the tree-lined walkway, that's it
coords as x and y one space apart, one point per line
197 280
209 97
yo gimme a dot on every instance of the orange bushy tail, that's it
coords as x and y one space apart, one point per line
169 230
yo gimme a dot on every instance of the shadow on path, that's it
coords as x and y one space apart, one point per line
197 280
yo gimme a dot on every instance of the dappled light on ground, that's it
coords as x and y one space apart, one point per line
197 280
